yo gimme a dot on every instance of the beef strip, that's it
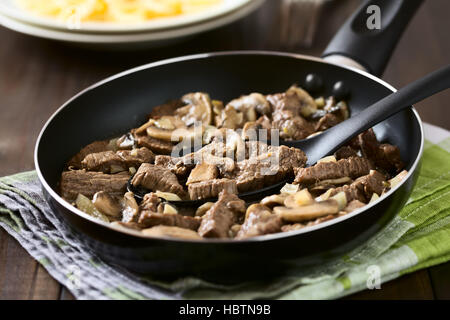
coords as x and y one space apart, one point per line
175 165
94 147
221 216
203 172
88 183
155 145
149 219
353 167
385 156
291 127
327 121
364 187
157 178
345 152
259 221
287 116
150 202
211 188
274 165
102 161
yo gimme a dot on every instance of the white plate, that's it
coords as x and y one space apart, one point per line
10 9
131 40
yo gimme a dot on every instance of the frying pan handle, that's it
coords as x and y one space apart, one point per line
370 35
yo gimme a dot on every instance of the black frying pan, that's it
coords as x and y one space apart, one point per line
119 103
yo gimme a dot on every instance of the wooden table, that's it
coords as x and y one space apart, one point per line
37 76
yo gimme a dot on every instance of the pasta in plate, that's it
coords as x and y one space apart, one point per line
122 11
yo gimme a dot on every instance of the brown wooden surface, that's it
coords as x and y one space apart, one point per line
37 76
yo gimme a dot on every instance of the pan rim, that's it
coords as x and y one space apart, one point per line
262 238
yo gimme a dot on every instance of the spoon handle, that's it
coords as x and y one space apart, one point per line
319 146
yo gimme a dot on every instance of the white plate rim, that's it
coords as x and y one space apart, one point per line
99 27
128 38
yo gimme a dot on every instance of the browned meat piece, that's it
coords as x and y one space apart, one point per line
292 127
391 157
274 165
203 172
375 182
102 161
97 146
223 214
345 152
353 205
259 221
157 178
166 109
352 192
211 188
157 146
352 167
289 158
327 121
363 187
150 202
289 108
175 165
385 156
88 183
149 219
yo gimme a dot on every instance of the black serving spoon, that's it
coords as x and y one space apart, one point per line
330 140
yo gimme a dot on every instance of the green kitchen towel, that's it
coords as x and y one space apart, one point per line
418 237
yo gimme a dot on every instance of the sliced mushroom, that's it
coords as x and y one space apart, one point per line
173 232
290 188
198 109
126 141
308 105
309 212
300 198
203 172
273 200
168 196
251 103
230 118
203 209
130 209
169 123
106 204
257 208
179 134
